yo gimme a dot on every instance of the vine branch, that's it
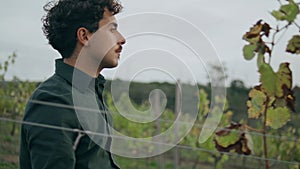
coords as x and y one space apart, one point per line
273 43
296 24
267 164
253 129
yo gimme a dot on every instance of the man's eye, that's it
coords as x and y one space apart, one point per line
113 29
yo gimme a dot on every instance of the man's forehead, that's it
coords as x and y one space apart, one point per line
108 17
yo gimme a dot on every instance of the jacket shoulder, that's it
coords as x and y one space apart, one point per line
51 103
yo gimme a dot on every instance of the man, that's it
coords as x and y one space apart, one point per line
62 109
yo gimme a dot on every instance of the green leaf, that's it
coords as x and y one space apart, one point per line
253 40
209 144
287 12
268 79
280 103
203 104
256 103
253 36
233 139
275 84
249 51
294 45
6 66
291 10
284 79
276 118
229 139
249 143
278 15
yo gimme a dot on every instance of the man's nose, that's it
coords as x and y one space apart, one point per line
122 40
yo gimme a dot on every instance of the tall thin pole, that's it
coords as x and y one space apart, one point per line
177 111
157 110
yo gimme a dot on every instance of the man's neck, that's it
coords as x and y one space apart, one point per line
85 64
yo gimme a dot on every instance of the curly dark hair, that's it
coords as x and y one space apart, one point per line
64 17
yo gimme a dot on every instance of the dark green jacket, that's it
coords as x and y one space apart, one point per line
53 145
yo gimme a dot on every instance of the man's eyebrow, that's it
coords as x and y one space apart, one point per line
114 24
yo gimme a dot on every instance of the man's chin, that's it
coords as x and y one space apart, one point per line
113 65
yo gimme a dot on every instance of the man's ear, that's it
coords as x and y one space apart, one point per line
83 36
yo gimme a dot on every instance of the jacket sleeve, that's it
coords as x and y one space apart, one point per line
50 146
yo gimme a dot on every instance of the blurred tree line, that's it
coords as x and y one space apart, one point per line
237 95
17 91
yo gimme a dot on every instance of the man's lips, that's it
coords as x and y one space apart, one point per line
119 50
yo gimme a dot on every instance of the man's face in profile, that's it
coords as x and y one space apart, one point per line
105 45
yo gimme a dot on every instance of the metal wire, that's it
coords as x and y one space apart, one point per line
147 141
59 105
282 138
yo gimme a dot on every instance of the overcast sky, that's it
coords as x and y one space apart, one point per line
220 26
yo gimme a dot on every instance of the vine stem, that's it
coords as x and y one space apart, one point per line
253 129
296 24
273 43
267 164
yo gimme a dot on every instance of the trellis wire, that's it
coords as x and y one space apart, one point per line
283 138
159 143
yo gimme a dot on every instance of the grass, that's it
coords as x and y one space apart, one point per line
7 165
9 147
9 157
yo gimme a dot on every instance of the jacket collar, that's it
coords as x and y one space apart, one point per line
77 78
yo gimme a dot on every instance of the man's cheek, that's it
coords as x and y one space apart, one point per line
99 44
